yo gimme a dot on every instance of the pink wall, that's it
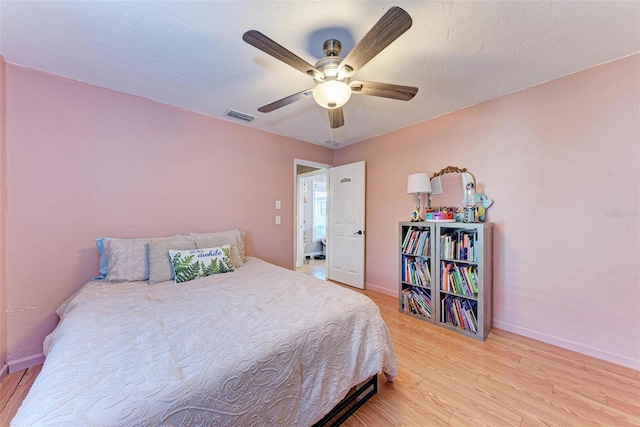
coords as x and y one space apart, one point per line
85 162
3 198
561 160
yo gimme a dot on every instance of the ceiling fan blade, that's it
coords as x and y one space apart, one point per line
265 44
391 26
285 101
385 90
336 117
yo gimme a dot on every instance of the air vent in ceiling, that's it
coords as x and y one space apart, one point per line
238 115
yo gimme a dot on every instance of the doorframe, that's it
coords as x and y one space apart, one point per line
297 202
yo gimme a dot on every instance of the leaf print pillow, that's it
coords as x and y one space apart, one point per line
193 263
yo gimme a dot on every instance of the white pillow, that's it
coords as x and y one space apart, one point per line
191 264
222 238
160 268
126 260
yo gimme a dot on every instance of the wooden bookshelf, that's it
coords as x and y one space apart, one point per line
458 295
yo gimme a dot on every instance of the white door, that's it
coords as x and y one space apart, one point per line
345 237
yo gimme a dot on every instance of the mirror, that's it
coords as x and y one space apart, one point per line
448 190
447 186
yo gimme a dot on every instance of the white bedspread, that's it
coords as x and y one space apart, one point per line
261 346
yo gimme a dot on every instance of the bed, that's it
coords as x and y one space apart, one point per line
259 346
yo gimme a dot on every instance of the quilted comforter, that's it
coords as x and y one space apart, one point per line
261 346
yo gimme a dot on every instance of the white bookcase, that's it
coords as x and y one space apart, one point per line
457 292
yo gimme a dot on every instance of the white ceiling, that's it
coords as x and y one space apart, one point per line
190 54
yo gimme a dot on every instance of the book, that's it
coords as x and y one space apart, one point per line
418 301
406 237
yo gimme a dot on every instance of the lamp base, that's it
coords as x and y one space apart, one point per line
469 214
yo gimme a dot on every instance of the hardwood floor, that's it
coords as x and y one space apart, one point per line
446 379
13 390
508 380
314 267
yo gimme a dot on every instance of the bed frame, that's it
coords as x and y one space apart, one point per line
350 404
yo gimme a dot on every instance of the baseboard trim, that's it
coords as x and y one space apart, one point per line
25 362
380 289
569 345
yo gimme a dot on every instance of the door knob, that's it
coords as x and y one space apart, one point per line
360 232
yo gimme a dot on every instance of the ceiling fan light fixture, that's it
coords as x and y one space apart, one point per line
332 94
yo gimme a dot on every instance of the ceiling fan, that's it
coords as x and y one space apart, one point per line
332 74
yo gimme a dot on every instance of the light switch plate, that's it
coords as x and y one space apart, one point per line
277 204
278 220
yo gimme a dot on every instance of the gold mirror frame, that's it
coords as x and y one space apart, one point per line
454 169
453 193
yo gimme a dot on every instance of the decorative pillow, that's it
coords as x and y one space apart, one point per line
191 264
160 268
217 241
227 237
126 260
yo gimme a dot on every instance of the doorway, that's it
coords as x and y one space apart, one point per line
311 218
340 199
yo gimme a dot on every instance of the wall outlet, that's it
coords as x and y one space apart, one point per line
277 204
278 220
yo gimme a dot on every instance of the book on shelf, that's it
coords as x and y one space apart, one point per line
457 278
416 301
460 312
468 311
406 238
416 271
408 241
459 245
416 242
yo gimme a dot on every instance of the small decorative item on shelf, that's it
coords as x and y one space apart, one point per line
440 213
482 203
428 214
470 203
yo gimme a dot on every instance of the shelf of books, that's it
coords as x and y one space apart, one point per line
464 295
446 275
416 266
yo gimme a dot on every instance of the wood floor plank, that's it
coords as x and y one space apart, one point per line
8 387
14 402
535 408
582 381
596 411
